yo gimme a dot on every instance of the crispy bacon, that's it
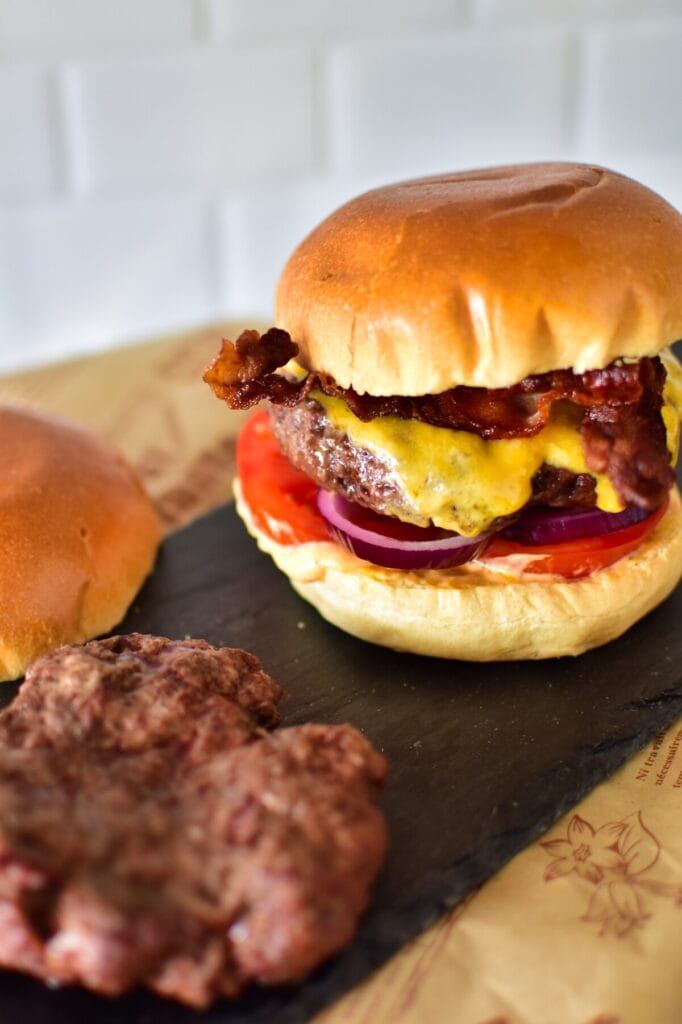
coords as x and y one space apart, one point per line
628 442
559 488
243 373
622 428
518 411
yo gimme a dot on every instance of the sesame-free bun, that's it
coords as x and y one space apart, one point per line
79 535
478 615
484 277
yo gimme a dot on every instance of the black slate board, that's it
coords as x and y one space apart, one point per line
483 758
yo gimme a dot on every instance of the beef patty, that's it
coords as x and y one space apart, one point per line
311 442
622 431
152 832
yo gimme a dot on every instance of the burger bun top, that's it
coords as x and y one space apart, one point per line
79 535
484 277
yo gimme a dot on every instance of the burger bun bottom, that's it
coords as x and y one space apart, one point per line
479 615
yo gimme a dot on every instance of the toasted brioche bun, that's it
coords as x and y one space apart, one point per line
79 535
477 615
484 277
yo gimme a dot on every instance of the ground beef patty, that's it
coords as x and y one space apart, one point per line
152 832
310 441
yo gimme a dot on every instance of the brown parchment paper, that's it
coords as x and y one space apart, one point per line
150 400
583 927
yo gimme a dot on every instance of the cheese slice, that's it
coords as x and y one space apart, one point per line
672 402
461 482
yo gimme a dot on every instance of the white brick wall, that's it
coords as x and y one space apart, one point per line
635 82
327 19
435 102
159 159
207 118
28 151
566 11
82 275
58 25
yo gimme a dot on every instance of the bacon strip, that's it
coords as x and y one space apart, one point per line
628 442
622 430
243 373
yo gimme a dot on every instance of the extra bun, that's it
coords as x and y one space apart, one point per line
482 617
78 533
485 277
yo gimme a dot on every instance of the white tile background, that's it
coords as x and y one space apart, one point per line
159 159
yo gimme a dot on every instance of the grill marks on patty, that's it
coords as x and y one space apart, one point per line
151 831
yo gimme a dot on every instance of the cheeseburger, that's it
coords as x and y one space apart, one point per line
472 412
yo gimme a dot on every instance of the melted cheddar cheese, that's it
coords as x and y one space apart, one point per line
461 482
672 402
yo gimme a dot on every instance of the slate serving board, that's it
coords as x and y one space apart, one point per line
483 758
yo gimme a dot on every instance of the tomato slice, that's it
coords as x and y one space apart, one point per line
281 499
282 502
576 558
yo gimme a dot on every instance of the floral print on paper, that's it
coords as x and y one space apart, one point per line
616 859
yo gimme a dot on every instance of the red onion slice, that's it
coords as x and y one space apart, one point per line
389 542
543 525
